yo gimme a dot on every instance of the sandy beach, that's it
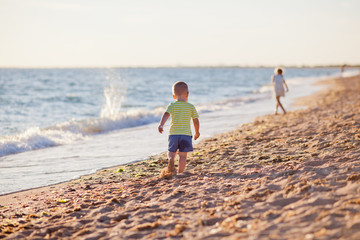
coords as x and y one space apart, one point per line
293 176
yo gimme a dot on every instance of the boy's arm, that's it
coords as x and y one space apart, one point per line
197 128
164 118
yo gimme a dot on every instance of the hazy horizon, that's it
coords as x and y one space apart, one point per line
183 66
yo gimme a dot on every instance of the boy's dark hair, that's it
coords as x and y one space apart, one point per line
180 88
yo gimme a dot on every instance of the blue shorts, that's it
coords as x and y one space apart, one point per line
181 142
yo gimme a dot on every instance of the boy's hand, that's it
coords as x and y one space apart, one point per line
196 136
164 117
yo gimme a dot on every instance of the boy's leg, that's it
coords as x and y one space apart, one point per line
171 164
169 171
182 161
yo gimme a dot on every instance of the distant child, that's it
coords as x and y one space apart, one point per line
278 82
180 136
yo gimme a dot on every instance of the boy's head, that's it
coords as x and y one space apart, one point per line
180 89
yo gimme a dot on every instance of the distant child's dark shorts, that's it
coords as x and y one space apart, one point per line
181 142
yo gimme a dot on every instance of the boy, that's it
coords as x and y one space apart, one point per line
180 134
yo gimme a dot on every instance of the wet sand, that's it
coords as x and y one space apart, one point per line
293 176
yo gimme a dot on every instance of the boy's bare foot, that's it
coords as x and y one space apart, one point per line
166 173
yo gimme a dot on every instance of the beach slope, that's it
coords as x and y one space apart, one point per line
293 176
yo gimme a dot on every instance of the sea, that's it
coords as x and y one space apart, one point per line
60 124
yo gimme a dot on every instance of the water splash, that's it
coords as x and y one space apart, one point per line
115 95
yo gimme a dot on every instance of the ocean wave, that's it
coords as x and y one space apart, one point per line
111 119
36 138
75 130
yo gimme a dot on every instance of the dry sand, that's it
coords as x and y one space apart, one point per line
293 176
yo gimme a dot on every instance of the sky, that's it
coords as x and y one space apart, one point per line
132 33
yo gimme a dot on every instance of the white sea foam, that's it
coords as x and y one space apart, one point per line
71 131
350 73
35 138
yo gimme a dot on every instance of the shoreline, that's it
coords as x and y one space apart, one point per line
229 121
293 101
226 174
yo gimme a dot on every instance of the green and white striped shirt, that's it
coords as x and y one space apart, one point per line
181 113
